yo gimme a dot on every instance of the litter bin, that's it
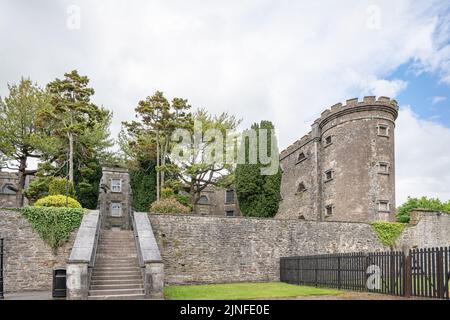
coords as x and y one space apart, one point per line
59 283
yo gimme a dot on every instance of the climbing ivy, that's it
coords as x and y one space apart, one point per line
54 225
388 232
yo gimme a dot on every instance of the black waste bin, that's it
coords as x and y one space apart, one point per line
59 283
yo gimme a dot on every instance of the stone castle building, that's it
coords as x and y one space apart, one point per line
115 198
344 169
218 202
8 189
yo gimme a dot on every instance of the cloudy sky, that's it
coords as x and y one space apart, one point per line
279 60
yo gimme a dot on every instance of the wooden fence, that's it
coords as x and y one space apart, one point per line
421 273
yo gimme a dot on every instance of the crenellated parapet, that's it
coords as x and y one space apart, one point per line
296 145
369 103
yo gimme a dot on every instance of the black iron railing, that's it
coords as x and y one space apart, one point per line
422 273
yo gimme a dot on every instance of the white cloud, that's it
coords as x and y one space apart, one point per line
422 157
284 61
437 99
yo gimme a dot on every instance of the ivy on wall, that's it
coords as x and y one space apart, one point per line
54 225
388 232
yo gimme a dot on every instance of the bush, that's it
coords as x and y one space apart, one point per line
54 225
37 188
404 211
167 193
168 205
57 186
57 201
388 232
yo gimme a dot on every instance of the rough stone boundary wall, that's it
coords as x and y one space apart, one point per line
29 261
432 230
202 249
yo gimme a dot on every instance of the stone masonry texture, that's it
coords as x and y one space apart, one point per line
202 249
28 261
355 142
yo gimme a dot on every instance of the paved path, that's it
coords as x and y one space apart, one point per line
31 295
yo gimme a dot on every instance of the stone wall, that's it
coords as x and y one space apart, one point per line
29 261
429 229
201 249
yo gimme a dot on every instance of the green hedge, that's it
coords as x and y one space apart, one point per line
54 225
57 201
388 232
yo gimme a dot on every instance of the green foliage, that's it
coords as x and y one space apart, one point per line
38 188
258 195
57 201
143 184
167 193
432 204
58 186
185 200
54 225
87 181
388 232
168 205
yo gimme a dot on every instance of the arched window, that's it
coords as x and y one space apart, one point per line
301 187
9 189
203 200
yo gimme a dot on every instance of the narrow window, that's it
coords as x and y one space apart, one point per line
329 210
329 175
301 187
383 205
116 185
203 200
328 141
301 157
229 198
383 168
229 213
116 209
383 130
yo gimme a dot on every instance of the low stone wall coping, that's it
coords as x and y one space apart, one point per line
84 245
147 241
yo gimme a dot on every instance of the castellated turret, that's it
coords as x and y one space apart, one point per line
344 169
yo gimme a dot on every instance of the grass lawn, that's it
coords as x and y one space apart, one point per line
243 291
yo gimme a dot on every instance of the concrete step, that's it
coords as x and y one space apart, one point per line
108 269
110 276
113 264
115 261
108 292
115 286
116 281
118 297
116 273
109 255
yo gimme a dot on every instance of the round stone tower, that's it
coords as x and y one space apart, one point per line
344 169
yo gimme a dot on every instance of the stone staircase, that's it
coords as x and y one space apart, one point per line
116 274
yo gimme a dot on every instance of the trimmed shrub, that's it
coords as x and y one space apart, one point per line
54 225
37 188
57 201
388 232
57 186
168 205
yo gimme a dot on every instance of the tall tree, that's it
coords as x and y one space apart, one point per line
158 118
258 195
19 133
205 157
73 119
